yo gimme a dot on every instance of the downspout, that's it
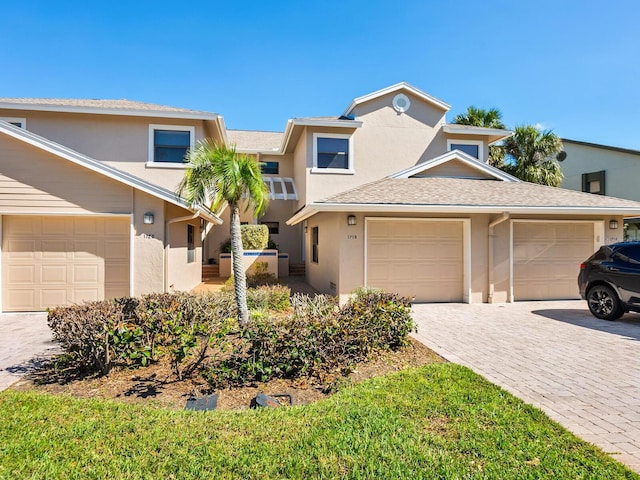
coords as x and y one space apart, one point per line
492 225
167 244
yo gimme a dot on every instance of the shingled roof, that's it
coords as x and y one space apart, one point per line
472 192
252 140
99 106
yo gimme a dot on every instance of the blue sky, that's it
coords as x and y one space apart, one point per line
571 66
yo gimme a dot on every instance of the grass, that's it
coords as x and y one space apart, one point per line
439 421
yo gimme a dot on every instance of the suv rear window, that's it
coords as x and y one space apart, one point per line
630 254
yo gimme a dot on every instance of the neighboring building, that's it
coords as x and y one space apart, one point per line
386 195
603 170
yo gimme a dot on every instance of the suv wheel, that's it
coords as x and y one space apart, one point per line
604 303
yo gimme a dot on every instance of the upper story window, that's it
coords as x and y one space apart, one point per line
593 182
168 144
470 147
269 168
332 153
18 122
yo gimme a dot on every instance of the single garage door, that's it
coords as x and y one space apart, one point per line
48 261
416 258
547 257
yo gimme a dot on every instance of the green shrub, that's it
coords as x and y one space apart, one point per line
137 331
317 339
269 297
254 237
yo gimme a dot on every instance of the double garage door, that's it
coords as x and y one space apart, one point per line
49 261
424 259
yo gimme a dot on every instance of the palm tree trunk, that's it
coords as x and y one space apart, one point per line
239 276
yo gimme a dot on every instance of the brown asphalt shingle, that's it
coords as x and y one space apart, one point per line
471 192
255 140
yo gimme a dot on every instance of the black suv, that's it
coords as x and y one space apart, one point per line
610 280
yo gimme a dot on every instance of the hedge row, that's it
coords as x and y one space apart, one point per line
307 336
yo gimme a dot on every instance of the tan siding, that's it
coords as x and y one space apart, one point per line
34 181
455 168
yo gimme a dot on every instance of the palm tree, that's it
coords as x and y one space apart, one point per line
533 152
492 118
216 174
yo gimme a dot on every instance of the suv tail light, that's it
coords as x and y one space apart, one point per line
583 266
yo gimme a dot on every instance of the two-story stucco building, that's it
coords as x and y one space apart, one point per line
386 194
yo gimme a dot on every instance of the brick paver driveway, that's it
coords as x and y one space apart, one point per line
583 372
25 340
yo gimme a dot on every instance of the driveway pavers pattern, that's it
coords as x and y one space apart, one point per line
25 340
582 372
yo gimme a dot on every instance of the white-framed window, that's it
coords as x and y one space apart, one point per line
18 122
470 147
168 144
332 153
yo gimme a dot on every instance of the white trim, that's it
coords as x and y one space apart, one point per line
454 129
598 229
479 143
102 168
21 120
132 237
345 136
1 284
466 247
109 111
456 155
394 88
396 103
176 128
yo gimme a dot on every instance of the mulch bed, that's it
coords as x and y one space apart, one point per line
156 385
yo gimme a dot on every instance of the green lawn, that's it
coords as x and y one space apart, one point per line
438 421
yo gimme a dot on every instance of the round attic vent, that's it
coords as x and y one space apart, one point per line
401 103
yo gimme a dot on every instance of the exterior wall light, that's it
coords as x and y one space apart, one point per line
148 218
613 224
351 220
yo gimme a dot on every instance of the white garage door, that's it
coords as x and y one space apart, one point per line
416 258
547 257
48 261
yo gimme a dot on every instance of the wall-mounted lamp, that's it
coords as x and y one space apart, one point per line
351 220
613 224
148 218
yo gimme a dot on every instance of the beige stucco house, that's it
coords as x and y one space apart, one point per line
387 194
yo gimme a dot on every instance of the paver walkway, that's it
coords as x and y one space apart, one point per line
25 340
583 372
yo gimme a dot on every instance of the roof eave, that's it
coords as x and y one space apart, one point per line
393 88
493 134
313 208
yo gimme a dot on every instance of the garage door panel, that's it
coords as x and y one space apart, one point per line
51 274
83 274
546 258
421 259
114 249
20 274
53 296
49 261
